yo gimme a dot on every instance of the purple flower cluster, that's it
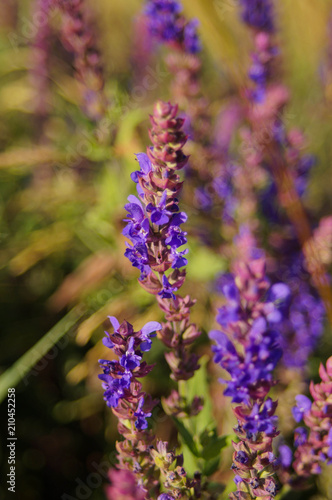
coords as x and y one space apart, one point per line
258 14
153 228
144 221
154 219
302 328
119 377
281 153
314 443
251 372
168 25
248 348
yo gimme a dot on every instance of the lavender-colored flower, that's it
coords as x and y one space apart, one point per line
314 445
141 422
248 348
281 154
154 229
191 42
258 14
168 25
300 436
120 377
303 322
123 393
303 405
285 455
154 220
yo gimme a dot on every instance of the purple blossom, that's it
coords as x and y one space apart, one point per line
302 327
242 457
285 455
141 422
314 444
192 43
261 419
255 368
168 290
248 348
128 345
300 436
142 217
159 214
147 333
258 14
130 360
145 167
168 25
303 405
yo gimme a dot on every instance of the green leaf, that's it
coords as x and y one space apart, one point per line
215 444
211 466
198 386
186 437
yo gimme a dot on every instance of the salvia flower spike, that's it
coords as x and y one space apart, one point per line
153 227
123 393
247 347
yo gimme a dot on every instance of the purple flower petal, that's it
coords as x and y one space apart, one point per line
115 323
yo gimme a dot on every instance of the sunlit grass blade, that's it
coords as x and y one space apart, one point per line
14 374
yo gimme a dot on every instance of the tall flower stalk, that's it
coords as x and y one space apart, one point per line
269 139
145 466
209 172
154 230
248 348
78 38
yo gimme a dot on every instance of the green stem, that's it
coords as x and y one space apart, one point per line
14 374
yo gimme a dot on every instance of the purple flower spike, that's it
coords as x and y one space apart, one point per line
248 349
128 345
154 220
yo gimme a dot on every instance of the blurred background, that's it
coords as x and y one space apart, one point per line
64 179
